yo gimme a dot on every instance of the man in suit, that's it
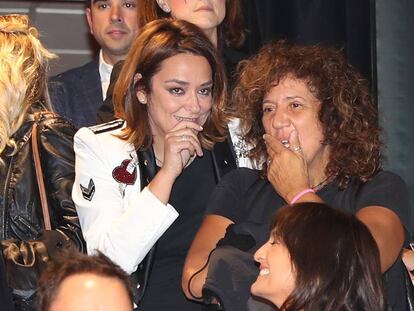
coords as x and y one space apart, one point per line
77 94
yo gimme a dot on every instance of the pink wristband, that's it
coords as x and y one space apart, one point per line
300 194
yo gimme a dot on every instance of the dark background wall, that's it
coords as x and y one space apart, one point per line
375 35
395 67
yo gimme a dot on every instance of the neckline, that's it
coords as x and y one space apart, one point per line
323 183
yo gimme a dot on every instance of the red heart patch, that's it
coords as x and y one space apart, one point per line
124 174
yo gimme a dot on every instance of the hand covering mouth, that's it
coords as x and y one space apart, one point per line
285 142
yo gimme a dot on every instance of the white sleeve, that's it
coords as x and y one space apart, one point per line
124 228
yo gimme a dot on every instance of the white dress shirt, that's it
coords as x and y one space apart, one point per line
105 71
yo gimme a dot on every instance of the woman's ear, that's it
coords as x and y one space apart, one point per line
164 6
142 97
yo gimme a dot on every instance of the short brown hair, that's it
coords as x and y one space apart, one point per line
74 264
231 31
158 41
348 116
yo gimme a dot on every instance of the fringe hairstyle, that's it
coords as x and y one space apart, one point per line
23 80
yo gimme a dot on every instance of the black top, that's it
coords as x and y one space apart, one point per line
243 196
189 197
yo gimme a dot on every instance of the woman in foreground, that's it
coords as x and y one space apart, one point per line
319 258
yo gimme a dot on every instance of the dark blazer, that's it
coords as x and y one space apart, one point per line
76 94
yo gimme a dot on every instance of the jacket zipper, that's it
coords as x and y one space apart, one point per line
27 224
5 199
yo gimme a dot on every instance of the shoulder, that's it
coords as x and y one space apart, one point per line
385 181
229 197
74 73
51 122
239 180
388 190
107 127
105 137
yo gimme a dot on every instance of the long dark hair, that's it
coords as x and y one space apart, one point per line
335 259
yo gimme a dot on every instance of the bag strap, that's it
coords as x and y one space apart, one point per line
39 173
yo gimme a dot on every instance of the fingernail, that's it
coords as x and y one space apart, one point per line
201 128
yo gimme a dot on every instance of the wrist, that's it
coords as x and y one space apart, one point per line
161 186
300 194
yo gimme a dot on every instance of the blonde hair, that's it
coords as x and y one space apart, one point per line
23 81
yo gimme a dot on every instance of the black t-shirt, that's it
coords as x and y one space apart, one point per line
189 197
242 196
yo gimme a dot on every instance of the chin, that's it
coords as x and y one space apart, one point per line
255 289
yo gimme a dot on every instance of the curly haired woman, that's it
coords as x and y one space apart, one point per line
309 116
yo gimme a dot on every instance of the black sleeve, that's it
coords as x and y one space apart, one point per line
58 163
388 190
227 199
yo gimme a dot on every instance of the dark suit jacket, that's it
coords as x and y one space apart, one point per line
76 94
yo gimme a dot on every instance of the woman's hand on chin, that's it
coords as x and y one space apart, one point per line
181 145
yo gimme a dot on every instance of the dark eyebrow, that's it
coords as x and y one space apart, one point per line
293 97
208 83
176 81
97 1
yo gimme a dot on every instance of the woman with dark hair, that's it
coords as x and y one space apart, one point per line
221 21
314 128
319 258
154 168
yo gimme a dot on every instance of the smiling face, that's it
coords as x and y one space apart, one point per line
290 106
206 14
276 279
114 24
180 91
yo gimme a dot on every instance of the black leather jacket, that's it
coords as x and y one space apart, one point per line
20 210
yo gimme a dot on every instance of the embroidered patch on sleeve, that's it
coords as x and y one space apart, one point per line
88 192
126 173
